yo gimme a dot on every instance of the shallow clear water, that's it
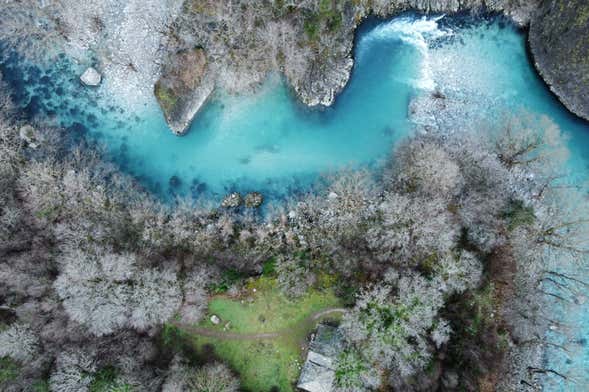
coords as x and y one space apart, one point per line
269 143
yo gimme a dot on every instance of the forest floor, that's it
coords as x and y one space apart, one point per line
263 335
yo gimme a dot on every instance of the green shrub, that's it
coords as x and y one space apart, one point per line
269 267
107 380
228 279
518 214
41 386
8 370
350 368
311 27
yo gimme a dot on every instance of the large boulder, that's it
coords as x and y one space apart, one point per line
232 200
559 41
253 200
91 77
183 88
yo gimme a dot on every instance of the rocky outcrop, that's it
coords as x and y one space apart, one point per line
559 42
183 88
232 200
329 72
253 200
310 43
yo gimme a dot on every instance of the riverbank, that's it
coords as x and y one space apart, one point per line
311 44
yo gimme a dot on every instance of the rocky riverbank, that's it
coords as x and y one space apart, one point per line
559 41
309 42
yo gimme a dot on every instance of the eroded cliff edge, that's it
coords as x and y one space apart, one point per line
183 87
559 42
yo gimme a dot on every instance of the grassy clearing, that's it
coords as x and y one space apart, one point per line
263 308
269 364
262 364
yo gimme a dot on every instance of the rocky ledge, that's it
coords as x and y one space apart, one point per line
559 42
183 88
311 42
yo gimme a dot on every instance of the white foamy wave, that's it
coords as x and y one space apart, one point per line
418 33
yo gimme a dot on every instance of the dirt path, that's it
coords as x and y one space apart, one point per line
225 335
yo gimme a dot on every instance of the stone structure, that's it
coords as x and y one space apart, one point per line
318 372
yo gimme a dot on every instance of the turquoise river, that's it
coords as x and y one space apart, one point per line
270 143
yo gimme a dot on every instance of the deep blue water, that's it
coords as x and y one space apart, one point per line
270 143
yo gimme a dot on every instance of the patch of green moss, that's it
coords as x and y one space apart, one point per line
518 215
166 97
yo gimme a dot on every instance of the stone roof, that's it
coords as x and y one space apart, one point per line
318 372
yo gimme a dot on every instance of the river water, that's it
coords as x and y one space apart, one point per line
270 143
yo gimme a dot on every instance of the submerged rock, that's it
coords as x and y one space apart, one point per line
253 200
91 77
232 200
183 88
559 42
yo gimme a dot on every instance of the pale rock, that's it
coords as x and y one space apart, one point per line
91 77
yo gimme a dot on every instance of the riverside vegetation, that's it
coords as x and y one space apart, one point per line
438 259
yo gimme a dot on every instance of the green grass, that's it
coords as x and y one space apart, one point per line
166 97
266 309
268 363
261 364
